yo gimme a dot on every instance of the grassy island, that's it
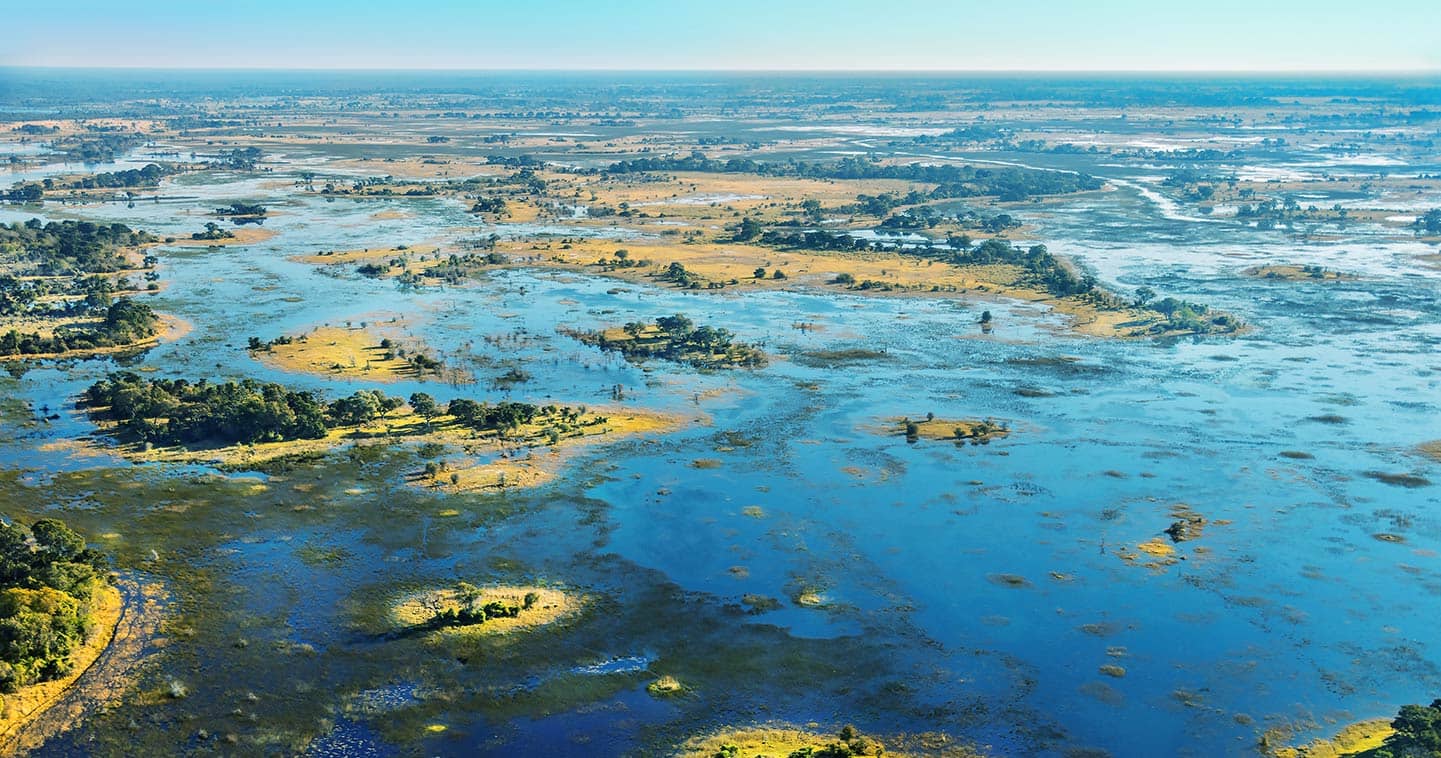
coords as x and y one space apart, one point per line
1297 273
352 353
785 741
468 609
975 431
676 338
244 424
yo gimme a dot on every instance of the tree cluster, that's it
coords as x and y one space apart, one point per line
47 579
677 338
60 248
177 411
125 322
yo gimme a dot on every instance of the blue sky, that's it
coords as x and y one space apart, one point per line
729 34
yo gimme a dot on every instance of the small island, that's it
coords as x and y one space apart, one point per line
466 608
782 741
352 353
1297 273
959 431
676 338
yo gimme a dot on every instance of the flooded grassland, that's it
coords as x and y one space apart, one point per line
952 511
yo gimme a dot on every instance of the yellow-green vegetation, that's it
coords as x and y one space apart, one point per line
242 235
468 610
245 424
353 353
58 611
367 255
676 338
665 686
1160 552
782 740
1297 273
1359 740
711 265
931 427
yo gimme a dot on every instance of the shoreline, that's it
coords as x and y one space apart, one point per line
108 612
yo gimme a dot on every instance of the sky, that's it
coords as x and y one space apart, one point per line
929 35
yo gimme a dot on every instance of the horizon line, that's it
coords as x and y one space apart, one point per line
721 70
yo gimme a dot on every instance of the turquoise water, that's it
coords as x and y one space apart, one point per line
1287 608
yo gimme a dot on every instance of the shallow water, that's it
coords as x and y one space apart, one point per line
982 576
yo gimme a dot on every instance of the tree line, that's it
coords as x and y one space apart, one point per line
125 322
1006 183
48 578
164 411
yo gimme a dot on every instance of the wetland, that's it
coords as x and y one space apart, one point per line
727 415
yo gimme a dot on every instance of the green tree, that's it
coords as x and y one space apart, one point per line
424 405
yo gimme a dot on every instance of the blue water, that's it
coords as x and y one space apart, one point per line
1286 608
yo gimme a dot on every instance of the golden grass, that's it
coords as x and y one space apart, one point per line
725 262
688 194
1353 740
338 352
523 457
764 742
943 430
1157 547
23 706
1431 450
550 606
244 235
541 463
367 255
664 686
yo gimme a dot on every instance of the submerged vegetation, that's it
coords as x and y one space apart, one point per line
311 494
676 338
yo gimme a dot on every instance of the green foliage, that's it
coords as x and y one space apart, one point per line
176 411
61 248
47 577
1418 731
241 209
125 321
679 340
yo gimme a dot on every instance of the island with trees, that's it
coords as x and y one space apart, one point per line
65 289
487 610
676 338
354 352
246 424
787 741
930 427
